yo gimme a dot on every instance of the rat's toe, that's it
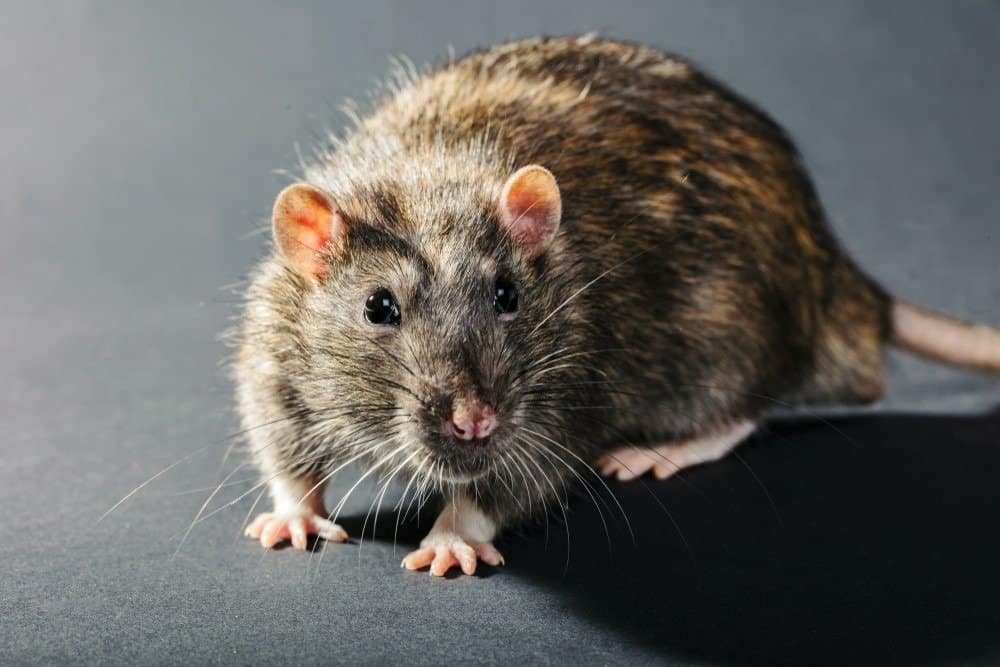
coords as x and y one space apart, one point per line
466 557
297 531
274 532
255 528
444 559
419 559
488 553
664 470
329 531
626 464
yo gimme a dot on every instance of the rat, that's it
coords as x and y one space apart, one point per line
546 255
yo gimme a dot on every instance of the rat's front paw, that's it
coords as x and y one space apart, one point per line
444 550
295 525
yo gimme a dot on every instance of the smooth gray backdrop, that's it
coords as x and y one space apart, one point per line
139 143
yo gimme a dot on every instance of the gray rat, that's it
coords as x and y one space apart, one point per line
532 256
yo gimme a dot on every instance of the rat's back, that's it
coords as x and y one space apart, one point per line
718 268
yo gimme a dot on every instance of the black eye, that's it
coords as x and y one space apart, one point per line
504 297
381 308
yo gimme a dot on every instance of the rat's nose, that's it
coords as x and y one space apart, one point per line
472 419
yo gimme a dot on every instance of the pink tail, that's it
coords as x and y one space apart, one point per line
949 341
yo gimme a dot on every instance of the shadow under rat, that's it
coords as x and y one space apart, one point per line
865 538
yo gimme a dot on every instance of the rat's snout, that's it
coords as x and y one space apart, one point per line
471 418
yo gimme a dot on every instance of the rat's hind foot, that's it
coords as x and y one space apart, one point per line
296 525
462 536
443 550
627 463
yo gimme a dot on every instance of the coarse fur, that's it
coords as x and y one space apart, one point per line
693 282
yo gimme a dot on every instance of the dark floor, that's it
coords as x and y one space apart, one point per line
138 143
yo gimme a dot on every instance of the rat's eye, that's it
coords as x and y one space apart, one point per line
505 297
381 308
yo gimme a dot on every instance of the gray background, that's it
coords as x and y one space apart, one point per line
136 172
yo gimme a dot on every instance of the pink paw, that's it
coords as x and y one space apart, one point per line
628 463
296 525
442 551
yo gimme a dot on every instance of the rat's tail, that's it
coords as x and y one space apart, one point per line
940 338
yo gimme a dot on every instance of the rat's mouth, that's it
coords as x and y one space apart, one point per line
458 461
459 477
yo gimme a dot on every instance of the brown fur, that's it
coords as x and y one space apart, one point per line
693 280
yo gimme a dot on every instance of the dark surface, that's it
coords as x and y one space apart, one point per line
138 143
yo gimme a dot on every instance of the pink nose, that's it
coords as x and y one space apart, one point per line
472 420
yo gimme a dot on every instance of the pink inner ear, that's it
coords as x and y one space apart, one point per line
305 223
531 207
311 234
527 214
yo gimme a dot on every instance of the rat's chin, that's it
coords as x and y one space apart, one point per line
460 477
459 471
461 463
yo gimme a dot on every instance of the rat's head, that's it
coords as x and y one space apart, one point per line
426 325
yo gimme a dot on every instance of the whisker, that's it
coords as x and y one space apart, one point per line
397 509
206 488
150 480
760 483
587 466
335 514
201 510
246 520
380 497
587 286
586 486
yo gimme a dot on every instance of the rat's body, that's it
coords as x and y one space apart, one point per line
678 281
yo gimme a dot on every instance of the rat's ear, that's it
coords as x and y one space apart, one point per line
531 207
306 224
